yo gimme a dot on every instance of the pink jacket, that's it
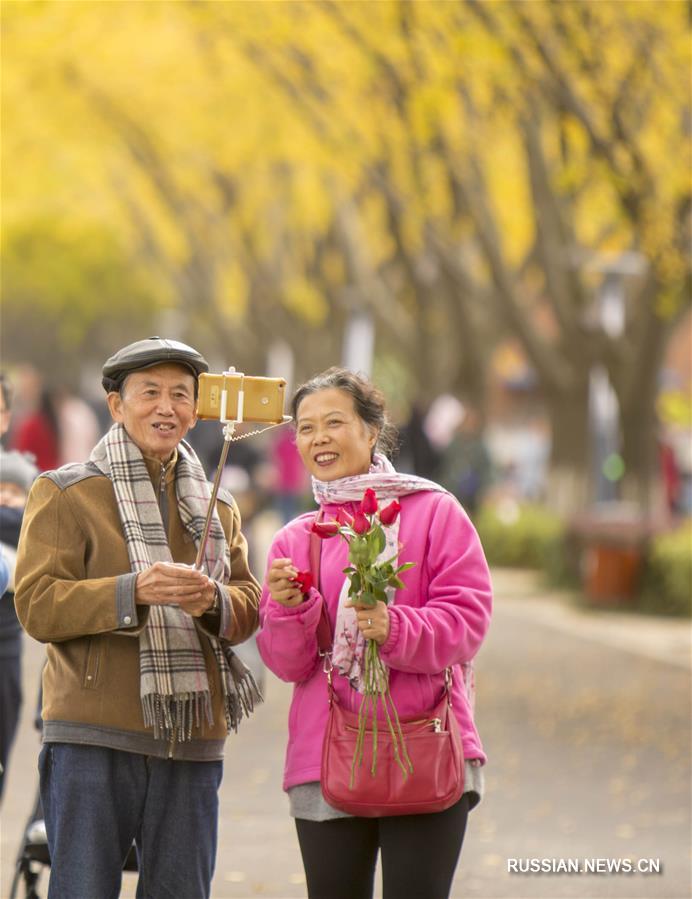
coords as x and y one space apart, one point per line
440 619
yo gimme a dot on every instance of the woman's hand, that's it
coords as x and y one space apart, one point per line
373 621
280 583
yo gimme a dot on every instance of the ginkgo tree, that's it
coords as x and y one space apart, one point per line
460 171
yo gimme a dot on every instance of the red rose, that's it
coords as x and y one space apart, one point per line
368 504
343 517
390 513
325 529
303 580
361 525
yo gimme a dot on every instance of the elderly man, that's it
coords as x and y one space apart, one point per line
137 690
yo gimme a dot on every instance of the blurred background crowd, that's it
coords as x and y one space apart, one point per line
485 206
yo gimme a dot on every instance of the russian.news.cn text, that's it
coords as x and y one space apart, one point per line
584 866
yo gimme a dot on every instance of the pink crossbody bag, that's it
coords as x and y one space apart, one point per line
432 740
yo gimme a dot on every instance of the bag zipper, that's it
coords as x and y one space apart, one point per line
435 723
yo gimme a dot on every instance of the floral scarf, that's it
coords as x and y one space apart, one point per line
349 644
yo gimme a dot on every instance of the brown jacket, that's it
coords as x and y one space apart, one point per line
75 591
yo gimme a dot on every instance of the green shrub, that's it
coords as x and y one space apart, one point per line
521 536
667 578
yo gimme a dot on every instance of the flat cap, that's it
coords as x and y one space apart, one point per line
144 354
17 468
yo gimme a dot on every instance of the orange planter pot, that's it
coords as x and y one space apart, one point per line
611 573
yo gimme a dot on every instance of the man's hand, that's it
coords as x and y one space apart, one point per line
168 583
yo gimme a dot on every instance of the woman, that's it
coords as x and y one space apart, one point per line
439 619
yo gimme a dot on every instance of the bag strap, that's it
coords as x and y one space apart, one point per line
324 627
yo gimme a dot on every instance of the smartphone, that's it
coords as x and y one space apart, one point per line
263 398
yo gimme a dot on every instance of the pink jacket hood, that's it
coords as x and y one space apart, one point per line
439 619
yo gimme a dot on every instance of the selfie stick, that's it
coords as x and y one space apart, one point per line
228 432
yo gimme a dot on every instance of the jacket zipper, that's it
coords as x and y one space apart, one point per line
162 485
163 499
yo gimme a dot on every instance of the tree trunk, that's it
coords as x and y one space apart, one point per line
637 396
569 481
639 430
640 455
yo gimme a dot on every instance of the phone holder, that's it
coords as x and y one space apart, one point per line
229 426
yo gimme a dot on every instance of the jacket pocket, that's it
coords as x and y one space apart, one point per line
93 664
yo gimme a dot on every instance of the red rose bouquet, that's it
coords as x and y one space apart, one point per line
368 583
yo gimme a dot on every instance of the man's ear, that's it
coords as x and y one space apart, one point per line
115 404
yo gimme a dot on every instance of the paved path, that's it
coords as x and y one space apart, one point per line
588 734
586 720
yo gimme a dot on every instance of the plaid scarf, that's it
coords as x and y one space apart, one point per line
174 688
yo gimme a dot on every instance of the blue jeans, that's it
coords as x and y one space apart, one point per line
96 801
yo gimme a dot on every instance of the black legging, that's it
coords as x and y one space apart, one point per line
419 854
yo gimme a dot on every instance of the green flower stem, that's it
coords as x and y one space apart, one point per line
397 724
377 691
396 732
373 701
369 581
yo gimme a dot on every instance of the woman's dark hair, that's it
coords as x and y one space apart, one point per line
48 406
368 401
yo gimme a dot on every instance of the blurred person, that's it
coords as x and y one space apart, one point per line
417 452
207 441
17 474
38 432
290 481
681 492
465 466
78 427
441 420
138 695
5 407
669 472
57 426
4 576
438 620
